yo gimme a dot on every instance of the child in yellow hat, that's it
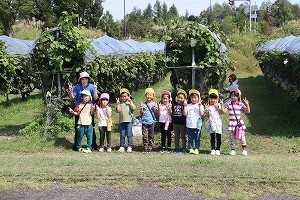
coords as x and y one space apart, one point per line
194 112
214 121
179 121
125 107
148 110
236 126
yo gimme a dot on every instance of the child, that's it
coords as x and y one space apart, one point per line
125 107
148 110
179 120
194 112
165 120
236 125
84 110
214 122
104 115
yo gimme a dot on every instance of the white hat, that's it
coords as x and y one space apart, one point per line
85 75
86 92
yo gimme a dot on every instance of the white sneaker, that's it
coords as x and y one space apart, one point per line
218 152
129 150
244 152
121 150
213 152
101 150
109 150
87 150
232 152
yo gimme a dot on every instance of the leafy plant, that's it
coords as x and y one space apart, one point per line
211 63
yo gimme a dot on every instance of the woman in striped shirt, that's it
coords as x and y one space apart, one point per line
236 126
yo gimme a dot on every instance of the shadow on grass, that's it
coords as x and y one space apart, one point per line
272 112
14 99
62 142
11 129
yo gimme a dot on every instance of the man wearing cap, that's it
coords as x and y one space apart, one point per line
84 83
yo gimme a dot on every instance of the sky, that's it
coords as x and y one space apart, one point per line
194 7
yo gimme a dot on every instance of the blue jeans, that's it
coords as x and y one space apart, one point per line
125 129
193 135
84 130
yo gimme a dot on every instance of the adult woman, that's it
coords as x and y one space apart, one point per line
84 83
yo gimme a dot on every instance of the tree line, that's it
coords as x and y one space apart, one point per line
148 22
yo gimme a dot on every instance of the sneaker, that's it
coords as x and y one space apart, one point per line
183 151
191 151
213 152
87 150
196 151
218 152
168 150
232 152
129 150
81 149
101 150
121 150
162 150
244 152
109 150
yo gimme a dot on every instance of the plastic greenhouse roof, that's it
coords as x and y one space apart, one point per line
16 46
290 44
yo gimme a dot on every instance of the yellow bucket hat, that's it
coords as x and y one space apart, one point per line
151 90
214 91
194 91
124 90
181 91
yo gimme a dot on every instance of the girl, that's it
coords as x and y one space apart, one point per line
179 120
194 112
165 120
236 125
125 107
84 111
214 122
148 110
103 112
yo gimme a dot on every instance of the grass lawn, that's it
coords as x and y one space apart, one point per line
272 166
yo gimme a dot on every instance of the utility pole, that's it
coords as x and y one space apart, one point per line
125 18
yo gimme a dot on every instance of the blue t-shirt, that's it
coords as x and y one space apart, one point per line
233 85
78 89
147 117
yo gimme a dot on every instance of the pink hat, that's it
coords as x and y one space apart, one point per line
104 96
165 92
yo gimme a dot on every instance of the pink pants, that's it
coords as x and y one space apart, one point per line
232 137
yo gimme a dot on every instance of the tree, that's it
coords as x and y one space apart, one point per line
281 10
11 10
157 9
173 12
148 12
165 14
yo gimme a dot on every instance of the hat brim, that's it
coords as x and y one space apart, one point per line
90 79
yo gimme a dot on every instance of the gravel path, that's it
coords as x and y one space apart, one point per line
108 192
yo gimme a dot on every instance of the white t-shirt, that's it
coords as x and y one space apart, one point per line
193 114
164 114
103 115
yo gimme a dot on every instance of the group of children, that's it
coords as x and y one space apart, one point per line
179 117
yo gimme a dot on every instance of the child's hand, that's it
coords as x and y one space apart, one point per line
206 106
141 106
70 88
95 87
118 101
71 110
246 101
185 103
169 106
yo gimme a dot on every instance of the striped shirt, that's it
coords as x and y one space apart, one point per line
234 118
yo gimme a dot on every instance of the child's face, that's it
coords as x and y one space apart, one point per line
104 102
212 101
124 97
85 98
234 97
149 96
165 99
180 98
194 98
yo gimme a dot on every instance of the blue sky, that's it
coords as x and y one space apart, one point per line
194 7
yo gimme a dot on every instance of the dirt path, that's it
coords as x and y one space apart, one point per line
108 192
